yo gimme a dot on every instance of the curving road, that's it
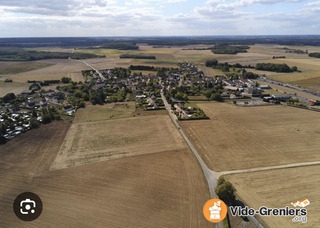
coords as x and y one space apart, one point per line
98 72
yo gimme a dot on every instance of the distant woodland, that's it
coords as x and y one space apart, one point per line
129 56
225 48
130 42
17 54
315 54
283 68
120 46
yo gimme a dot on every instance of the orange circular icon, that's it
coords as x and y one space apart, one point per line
215 210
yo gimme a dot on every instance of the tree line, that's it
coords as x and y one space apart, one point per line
16 54
237 68
120 46
314 54
143 68
131 56
223 48
275 67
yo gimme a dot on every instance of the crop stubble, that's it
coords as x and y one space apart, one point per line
247 137
165 189
277 189
110 139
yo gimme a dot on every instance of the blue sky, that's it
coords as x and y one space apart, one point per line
44 18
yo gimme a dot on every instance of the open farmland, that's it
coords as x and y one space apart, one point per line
9 68
169 57
105 112
159 190
247 137
110 139
308 78
12 87
166 57
56 70
290 185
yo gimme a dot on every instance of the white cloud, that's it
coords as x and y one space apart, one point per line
155 17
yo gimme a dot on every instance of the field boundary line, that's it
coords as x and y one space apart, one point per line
293 165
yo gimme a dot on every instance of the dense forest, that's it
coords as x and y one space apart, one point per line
130 56
120 46
17 54
315 54
275 67
312 40
143 68
224 48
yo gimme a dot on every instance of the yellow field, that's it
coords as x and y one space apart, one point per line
89 142
169 57
247 137
278 188
56 70
105 112
9 68
165 189
12 87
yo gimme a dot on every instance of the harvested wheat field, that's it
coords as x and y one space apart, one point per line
105 112
12 87
290 185
104 140
165 189
247 137
56 70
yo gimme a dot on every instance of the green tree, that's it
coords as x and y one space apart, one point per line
34 113
225 191
65 80
3 129
9 97
216 97
33 122
208 94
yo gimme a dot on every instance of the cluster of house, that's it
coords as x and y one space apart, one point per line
133 82
18 119
40 100
182 113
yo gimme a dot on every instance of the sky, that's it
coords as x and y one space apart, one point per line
65 18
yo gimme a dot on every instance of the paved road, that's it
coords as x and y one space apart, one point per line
210 175
98 72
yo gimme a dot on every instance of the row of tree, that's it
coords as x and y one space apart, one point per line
15 54
224 48
275 67
120 45
143 68
132 56
315 54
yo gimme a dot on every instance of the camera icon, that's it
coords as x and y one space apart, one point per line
27 206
